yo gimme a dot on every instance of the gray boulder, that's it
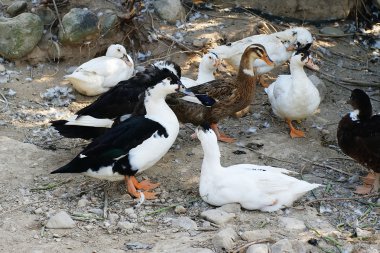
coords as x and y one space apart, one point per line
170 10
17 7
80 25
108 22
46 14
303 10
19 35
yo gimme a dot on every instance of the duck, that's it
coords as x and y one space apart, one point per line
280 46
100 74
254 187
132 146
358 136
210 62
221 98
294 96
116 104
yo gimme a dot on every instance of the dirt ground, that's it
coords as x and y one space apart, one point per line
30 150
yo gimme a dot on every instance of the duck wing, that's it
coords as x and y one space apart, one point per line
367 136
217 90
114 145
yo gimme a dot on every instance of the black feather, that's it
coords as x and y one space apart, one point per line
116 142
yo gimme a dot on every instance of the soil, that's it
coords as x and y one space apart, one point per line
30 150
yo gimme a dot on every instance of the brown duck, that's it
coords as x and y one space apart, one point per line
359 137
221 98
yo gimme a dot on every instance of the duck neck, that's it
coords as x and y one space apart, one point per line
157 108
296 71
211 157
365 111
246 76
205 75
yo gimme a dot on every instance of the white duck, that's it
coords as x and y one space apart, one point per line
208 65
264 188
279 47
102 73
294 96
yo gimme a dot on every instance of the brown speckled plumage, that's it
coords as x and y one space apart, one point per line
230 95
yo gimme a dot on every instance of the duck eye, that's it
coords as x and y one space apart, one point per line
302 55
118 49
210 57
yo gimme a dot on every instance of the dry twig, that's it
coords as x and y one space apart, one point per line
238 250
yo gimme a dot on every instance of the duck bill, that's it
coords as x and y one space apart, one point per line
267 60
220 66
291 48
311 65
127 60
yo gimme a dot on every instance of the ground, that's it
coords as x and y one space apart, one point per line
30 150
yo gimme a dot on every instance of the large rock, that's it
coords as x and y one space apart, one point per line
46 14
170 10
17 7
80 25
19 35
302 10
108 22
60 220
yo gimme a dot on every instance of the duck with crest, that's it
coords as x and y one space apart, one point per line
116 104
358 136
265 188
132 146
102 73
221 98
294 96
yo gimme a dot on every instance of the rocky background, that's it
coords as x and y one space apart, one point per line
41 41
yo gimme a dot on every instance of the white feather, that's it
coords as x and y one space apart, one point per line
264 188
89 121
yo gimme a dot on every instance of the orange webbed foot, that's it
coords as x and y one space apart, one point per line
146 185
221 136
294 133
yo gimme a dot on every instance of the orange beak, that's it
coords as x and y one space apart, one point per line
267 60
310 64
291 48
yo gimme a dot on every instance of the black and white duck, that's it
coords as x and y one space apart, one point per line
132 146
94 119
359 137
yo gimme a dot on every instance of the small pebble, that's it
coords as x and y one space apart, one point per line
180 209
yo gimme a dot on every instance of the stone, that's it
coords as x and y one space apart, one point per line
301 247
255 235
82 202
113 217
80 25
195 250
125 225
282 246
19 35
231 208
180 209
331 31
108 22
60 220
225 239
201 42
16 8
185 223
258 248
46 14
292 224
363 233
2 68
217 216
170 10
303 10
